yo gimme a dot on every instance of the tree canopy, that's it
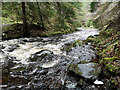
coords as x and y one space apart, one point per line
48 15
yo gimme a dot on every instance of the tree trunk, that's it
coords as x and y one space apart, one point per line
25 29
41 18
60 17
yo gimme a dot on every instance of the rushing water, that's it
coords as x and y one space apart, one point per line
39 63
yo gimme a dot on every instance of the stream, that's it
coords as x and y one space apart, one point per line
40 63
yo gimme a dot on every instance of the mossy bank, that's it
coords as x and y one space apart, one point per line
11 31
107 44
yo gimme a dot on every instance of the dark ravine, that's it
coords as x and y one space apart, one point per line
42 63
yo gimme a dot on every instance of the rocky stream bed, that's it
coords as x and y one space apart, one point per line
48 63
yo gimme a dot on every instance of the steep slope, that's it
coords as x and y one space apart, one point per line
107 17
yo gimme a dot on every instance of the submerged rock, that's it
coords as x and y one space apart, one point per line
39 55
88 71
50 64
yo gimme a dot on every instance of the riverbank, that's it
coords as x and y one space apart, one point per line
108 58
12 31
108 50
107 44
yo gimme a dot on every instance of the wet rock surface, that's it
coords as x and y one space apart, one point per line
40 64
88 71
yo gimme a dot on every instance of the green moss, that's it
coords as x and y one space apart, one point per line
89 39
77 42
55 33
111 64
107 44
74 68
7 20
68 47
82 82
110 59
113 68
112 82
83 62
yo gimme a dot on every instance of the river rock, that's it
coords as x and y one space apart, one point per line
82 82
18 68
88 71
11 47
39 55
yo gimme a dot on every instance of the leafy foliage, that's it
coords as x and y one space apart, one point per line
50 15
93 6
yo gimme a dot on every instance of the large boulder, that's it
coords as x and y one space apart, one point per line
88 71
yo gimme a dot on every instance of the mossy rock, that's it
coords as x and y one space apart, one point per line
88 71
83 62
78 42
74 68
67 47
82 82
89 39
